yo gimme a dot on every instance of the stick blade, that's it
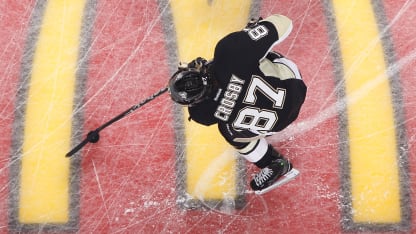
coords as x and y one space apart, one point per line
77 148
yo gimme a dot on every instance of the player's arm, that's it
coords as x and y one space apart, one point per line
266 33
282 24
253 42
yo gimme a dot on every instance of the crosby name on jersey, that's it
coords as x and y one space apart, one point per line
227 103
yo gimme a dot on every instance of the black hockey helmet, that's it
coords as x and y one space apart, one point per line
190 85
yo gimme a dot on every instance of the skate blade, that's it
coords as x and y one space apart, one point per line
283 180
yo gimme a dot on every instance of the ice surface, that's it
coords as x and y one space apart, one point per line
128 181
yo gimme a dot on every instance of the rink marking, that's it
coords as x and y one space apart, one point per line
205 147
374 177
44 195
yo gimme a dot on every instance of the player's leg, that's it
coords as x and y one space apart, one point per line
273 165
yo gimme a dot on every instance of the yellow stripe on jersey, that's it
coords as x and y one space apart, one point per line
44 188
375 182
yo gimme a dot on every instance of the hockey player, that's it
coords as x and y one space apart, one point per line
250 92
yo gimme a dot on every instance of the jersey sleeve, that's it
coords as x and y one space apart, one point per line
282 24
252 44
203 113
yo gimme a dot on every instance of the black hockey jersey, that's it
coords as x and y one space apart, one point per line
258 91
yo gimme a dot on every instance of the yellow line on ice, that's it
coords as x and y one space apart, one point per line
210 161
44 188
375 185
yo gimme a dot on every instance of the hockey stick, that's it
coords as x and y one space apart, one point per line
93 136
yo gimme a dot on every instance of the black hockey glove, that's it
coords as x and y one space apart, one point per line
253 23
197 63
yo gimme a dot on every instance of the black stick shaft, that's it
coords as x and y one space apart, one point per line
131 109
115 119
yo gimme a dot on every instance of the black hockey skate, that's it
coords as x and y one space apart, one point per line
279 172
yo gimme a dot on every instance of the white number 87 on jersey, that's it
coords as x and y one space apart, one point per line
253 118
